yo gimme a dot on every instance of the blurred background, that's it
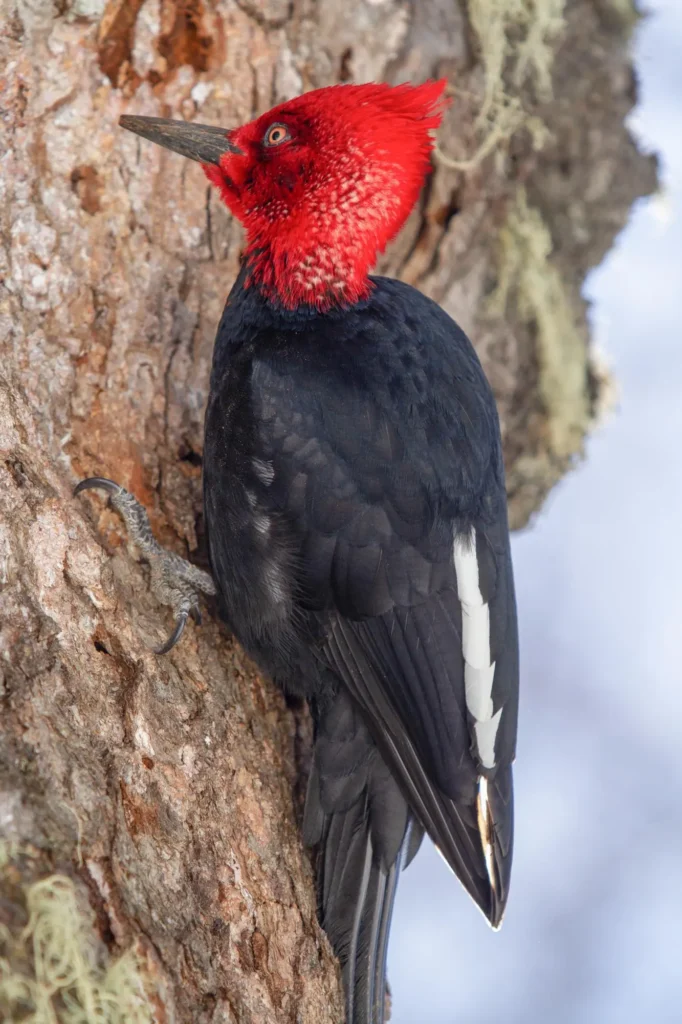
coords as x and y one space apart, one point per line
592 926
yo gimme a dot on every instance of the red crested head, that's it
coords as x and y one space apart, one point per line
322 183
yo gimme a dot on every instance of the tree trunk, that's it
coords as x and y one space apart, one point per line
168 789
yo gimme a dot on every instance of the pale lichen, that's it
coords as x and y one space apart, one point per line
51 972
527 278
8 851
626 10
516 40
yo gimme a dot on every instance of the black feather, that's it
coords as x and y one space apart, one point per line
360 828
383 444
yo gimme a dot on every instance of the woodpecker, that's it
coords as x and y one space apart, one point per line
355 508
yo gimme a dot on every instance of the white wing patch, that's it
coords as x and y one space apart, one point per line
479 669
486 731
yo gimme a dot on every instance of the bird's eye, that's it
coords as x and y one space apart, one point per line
276 135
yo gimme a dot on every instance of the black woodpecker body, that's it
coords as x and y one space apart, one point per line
356 511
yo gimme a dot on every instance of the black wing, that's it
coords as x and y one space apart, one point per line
380 542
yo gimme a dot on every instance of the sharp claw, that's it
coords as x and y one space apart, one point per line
100 482
174 581
175 635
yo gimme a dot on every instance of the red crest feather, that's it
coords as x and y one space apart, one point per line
325 181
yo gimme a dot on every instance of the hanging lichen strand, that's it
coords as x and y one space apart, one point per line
511 63
526 277
51 972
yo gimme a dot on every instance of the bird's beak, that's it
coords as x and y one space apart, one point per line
202 142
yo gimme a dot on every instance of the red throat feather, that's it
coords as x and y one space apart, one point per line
324 182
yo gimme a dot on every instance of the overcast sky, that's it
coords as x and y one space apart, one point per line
591 934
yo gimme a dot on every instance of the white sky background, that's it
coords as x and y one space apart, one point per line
592 931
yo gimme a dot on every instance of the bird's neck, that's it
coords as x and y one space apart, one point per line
308 269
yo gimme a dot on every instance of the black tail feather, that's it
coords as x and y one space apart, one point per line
363 951
361 849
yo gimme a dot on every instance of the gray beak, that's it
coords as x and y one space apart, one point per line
202 142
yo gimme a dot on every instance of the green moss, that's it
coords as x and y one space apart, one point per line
50 974
527 278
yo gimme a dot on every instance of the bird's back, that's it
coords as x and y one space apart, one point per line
357 527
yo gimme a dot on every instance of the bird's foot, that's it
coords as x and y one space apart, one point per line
175 581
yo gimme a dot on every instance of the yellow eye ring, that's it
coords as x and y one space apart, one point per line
276 135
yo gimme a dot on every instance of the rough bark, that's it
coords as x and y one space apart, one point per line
169 788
